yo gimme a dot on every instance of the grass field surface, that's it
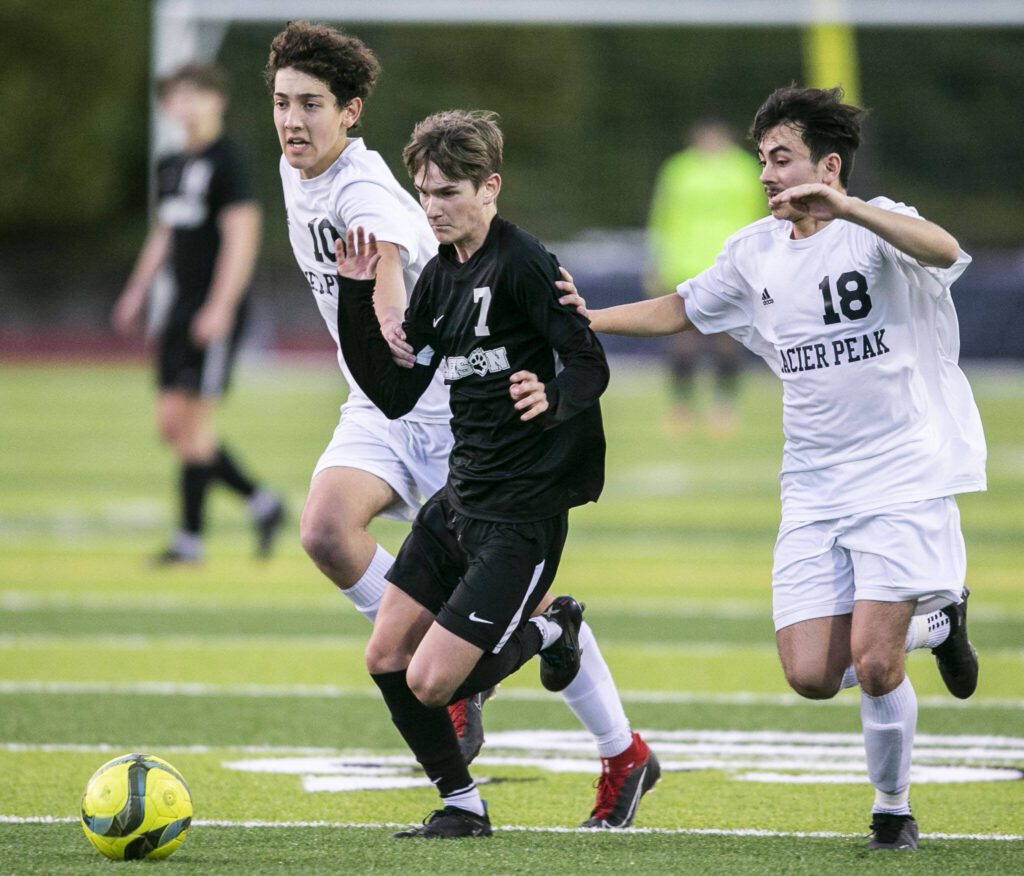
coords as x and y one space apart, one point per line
248 675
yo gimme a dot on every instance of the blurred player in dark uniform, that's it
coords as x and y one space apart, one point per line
525 375
207 230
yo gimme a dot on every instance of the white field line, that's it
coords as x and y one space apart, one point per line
682 742
22 601
105 748
176 641
328 691
632 831
334 642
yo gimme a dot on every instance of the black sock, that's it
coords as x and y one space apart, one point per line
428 733
492 668
195 478
228 470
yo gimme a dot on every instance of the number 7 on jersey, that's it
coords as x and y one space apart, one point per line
482 295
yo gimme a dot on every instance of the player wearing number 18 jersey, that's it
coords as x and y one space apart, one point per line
849 304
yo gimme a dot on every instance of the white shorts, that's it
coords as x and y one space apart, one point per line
912 551
411 457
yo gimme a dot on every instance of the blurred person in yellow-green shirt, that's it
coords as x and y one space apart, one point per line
701 196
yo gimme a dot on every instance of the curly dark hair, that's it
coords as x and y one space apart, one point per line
345 63
824 122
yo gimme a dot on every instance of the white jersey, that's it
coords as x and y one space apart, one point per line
358 189
875 409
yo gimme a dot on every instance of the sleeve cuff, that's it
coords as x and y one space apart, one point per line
347 284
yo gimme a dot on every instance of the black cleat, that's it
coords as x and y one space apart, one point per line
268 525
624 780
895 833
449 823
956 658
560 663
468 719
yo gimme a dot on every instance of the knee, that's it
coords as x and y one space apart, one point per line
381 659
326 538
431 690
877 675
319 538
169 429
812 685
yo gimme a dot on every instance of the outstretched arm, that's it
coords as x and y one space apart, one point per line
643 319
393 389
655 317
920 239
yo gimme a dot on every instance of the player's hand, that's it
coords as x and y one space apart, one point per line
357 255
402 353
528 393
817 200
210 324
571 296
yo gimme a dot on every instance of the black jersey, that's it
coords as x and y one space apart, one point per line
481 321
192 189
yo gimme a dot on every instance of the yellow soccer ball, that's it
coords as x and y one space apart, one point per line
136 806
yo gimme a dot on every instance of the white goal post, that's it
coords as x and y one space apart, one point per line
185 30
193 30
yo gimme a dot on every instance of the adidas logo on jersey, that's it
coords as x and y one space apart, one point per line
766 299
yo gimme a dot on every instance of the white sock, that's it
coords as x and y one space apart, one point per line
468 799
849 678
594 699
188 544
927 630
261 503
365 594
889 722
549 630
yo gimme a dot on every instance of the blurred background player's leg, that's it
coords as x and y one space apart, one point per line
725 362
185 422
683 352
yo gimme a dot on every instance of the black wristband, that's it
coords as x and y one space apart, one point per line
347 284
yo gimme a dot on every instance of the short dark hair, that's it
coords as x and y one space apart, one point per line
462 144
824 122
345 63
206 77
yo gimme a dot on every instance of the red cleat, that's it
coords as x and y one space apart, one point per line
468 720
625 778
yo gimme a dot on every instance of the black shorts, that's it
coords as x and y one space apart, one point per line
202 370
481 579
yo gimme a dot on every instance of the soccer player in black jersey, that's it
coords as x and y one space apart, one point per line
207 231
525 375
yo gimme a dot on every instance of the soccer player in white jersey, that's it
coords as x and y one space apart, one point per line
373 466
849 304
